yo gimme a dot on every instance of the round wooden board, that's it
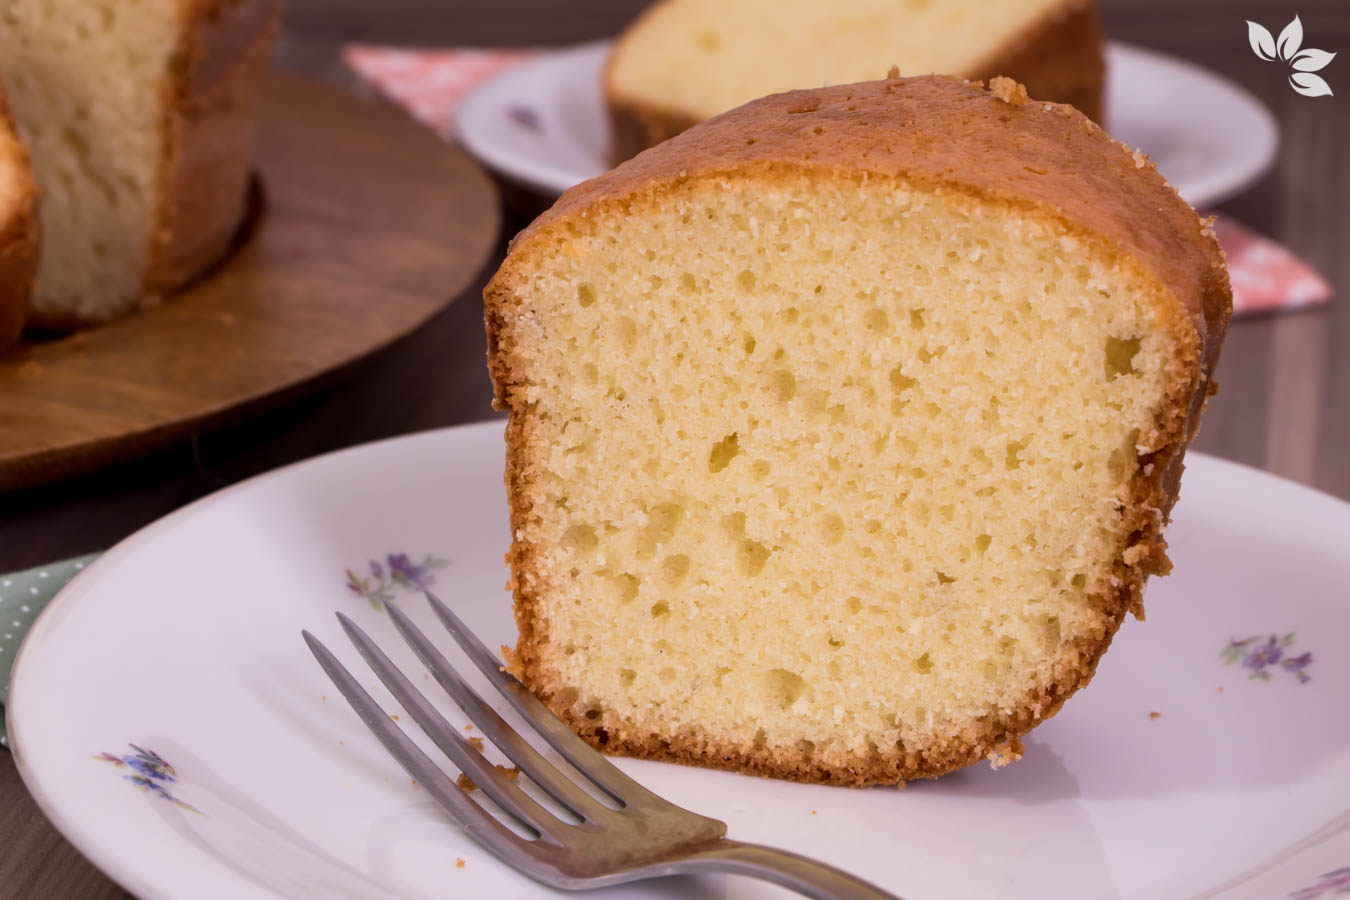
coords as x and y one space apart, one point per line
366 225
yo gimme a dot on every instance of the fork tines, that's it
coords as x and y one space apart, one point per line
551 835
640 836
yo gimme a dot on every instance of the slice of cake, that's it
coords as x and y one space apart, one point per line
686 60
18 231
844 426
138 115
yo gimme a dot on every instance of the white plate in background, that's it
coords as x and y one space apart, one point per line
184 641
543 124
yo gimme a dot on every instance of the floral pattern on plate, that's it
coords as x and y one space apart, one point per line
150 772
526 117
397 572
1261 657
1330 884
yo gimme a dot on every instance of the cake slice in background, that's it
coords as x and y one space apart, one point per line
18 231
139 118
844 426
686 60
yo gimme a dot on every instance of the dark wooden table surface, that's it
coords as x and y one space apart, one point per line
1284 404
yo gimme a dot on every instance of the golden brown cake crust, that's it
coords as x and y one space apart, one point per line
19 234
227 46
946 135
1058 58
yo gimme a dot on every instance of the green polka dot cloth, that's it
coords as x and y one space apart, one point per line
22 596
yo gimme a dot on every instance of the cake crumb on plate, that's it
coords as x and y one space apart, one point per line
1006 753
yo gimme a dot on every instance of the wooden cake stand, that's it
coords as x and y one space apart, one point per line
363 226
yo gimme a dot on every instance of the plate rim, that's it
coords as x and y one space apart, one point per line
106 863
549 180
63 818
522 172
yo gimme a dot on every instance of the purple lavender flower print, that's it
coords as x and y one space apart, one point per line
145 783
1267 654
1262 657
1337 882
409 574
525 117
150 764
152 773
397 571
1297 664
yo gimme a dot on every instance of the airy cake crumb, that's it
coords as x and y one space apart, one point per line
777 510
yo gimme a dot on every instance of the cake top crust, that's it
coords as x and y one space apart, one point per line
943 132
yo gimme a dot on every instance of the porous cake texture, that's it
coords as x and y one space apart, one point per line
845 425
138 115
683 61
19 233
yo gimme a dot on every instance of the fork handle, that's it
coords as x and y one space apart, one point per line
803 875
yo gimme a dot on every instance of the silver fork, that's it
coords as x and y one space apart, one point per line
641 836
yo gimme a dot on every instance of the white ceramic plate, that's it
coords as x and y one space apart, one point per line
185 641
543 124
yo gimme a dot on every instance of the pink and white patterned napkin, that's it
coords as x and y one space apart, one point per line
1266 276
430 83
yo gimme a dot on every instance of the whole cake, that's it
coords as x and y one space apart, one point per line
686 60
844 426
18 231
138 116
